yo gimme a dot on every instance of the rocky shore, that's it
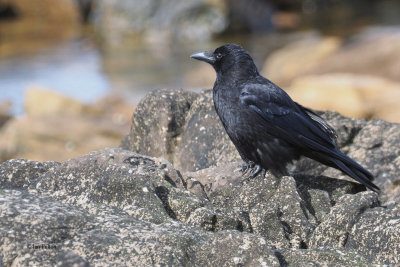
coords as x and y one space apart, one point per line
172 196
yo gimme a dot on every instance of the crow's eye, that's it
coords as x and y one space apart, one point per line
218 56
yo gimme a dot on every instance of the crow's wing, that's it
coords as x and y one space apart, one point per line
300 127
319 121
284 119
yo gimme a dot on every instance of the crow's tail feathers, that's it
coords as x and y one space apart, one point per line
353 169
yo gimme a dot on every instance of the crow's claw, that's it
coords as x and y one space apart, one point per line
254 172
246 166
256 169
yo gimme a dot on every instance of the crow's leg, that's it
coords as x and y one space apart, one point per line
246 166
254 172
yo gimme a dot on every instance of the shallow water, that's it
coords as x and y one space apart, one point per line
74 64
79 68
72 68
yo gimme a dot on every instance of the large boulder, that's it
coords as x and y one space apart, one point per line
114 205
182 127
201 141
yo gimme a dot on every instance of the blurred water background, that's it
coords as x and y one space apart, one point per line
103 56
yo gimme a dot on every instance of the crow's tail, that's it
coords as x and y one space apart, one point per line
347 165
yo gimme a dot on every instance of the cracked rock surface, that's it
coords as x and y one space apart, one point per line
118 207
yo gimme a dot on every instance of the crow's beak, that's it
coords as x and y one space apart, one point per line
206 56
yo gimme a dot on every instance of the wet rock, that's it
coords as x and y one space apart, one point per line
158 123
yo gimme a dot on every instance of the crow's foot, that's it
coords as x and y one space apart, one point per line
246 166
255 170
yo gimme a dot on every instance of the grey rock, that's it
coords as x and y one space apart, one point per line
146 188
75 237
230 248
206 181
157 123
204 142
112 177
334 230
377 235
377 147
266 221
322 257
22 173
114 206
33 228
284 211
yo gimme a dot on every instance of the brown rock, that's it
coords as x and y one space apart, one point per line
5 112
375 51
296 58
44 102
57 137
360 96
56 127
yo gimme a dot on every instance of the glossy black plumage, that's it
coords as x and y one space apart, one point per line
266 126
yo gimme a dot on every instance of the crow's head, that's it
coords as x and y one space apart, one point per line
228 58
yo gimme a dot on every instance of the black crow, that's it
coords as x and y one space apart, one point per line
266 126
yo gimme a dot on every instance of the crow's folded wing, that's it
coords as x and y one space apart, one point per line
319 121
284 119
